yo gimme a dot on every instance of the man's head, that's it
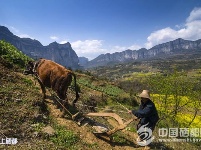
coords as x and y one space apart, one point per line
145 96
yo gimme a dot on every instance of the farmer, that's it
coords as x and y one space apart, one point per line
147 112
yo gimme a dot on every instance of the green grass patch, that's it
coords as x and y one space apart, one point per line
108 89
65 138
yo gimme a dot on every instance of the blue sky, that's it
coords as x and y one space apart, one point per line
95 27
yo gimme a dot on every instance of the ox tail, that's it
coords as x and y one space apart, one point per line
76 89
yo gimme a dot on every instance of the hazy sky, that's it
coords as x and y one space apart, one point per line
96 27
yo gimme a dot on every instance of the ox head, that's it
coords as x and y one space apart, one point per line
29 68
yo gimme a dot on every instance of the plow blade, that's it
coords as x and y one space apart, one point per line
121 126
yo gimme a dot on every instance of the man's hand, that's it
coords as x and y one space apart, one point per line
130 111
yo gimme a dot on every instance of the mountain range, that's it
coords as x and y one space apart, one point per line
66 56
60 53
174 48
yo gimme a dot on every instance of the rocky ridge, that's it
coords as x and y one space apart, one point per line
171 48
60 53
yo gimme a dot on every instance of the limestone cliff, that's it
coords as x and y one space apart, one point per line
60 53
162 50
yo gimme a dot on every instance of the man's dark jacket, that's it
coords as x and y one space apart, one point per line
147 114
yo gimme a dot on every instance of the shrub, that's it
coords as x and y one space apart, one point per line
175 94
12 55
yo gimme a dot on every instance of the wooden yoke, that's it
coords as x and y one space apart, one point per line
122 124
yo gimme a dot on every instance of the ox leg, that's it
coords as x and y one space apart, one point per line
43 89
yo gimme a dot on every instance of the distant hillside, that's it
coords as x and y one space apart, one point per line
60 53
83 61
169 49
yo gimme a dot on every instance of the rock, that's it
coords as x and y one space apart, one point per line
100 128
35 134
39 117
18 100
48 130
35 125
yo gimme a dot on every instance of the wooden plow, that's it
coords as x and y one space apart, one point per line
106 133
121 124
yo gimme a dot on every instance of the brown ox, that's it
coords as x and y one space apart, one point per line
52 75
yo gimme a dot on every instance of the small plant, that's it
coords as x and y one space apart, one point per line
65 138
27 81
119 138
131 129
38 127
11 54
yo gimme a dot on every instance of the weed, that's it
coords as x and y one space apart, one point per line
38 127
117 137
27 81
65 138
